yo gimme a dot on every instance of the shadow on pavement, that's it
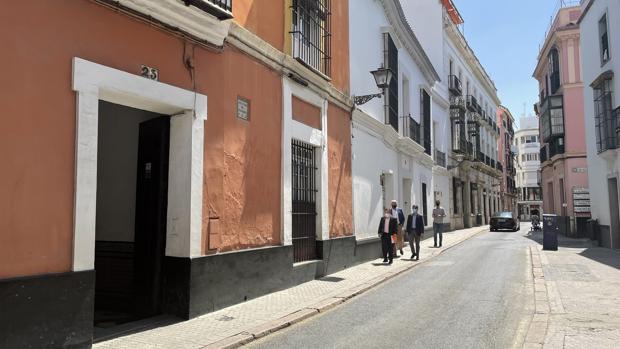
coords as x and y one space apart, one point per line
591 250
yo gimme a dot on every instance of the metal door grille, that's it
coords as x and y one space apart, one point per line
304 201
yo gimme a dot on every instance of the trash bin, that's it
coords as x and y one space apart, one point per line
478 219
551 226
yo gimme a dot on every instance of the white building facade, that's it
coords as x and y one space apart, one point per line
600 60
527 143
467 100
393 137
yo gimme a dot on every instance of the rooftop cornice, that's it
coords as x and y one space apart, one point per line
461 44
407 37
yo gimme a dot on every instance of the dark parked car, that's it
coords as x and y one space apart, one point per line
505 220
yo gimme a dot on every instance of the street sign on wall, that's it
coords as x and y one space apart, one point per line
581 200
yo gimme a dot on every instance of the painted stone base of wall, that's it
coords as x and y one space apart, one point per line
193 287
48 311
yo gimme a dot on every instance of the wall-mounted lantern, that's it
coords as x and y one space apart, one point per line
382 76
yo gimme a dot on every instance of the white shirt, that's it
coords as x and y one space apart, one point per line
386 225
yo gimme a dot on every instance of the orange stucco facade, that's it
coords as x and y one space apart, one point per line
340 177
242 182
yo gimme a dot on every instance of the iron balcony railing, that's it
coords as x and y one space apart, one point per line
479 156
414 129
440 158
454 84
222 9
472 103
457 103
487 160
493 163
470 149
500 166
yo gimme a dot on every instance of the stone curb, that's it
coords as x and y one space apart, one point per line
536 333
322 306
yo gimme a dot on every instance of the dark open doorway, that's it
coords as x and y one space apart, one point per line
132 188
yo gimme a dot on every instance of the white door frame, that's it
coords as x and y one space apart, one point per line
94 82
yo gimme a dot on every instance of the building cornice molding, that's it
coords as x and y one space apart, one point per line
187 18
396 16
256 47
554 39
470 57
387 134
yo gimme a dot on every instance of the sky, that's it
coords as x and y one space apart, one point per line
506 35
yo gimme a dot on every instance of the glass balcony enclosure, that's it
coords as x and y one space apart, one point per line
552 118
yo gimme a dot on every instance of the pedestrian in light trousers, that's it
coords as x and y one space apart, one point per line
438 215
415 230
397 213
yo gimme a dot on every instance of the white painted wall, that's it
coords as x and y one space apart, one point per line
606 165
371 158
377 148
117 160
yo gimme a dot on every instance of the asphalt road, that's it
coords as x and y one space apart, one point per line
475 295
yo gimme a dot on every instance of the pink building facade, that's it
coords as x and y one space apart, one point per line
505 156
564 173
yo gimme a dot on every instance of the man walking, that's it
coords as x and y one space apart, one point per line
415 229
397 213
387 228
438 214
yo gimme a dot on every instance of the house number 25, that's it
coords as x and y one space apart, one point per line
149 72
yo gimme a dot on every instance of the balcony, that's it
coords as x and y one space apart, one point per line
221 9
414 130
493 163
440 158
457 103
499 166
472 104
487 160
454 85
479 156
470 149
543 154
552 117
556 147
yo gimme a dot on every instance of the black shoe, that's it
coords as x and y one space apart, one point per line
401 252
435 246
417 258
390 262
412 256
439 245
385 261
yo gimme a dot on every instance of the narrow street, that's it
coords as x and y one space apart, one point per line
476 295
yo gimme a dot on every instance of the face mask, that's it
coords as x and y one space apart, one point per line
415 211
394 207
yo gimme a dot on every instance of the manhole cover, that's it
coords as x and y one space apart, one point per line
225 318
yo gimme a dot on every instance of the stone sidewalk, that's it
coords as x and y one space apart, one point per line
577 297
242 323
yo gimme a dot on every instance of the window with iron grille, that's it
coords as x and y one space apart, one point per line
455 194
605 120
311 33
390 59
425 108
304 197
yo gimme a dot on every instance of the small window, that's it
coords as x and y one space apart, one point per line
604 40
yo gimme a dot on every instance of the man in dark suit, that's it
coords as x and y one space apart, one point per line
415 230
397 213
388 226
